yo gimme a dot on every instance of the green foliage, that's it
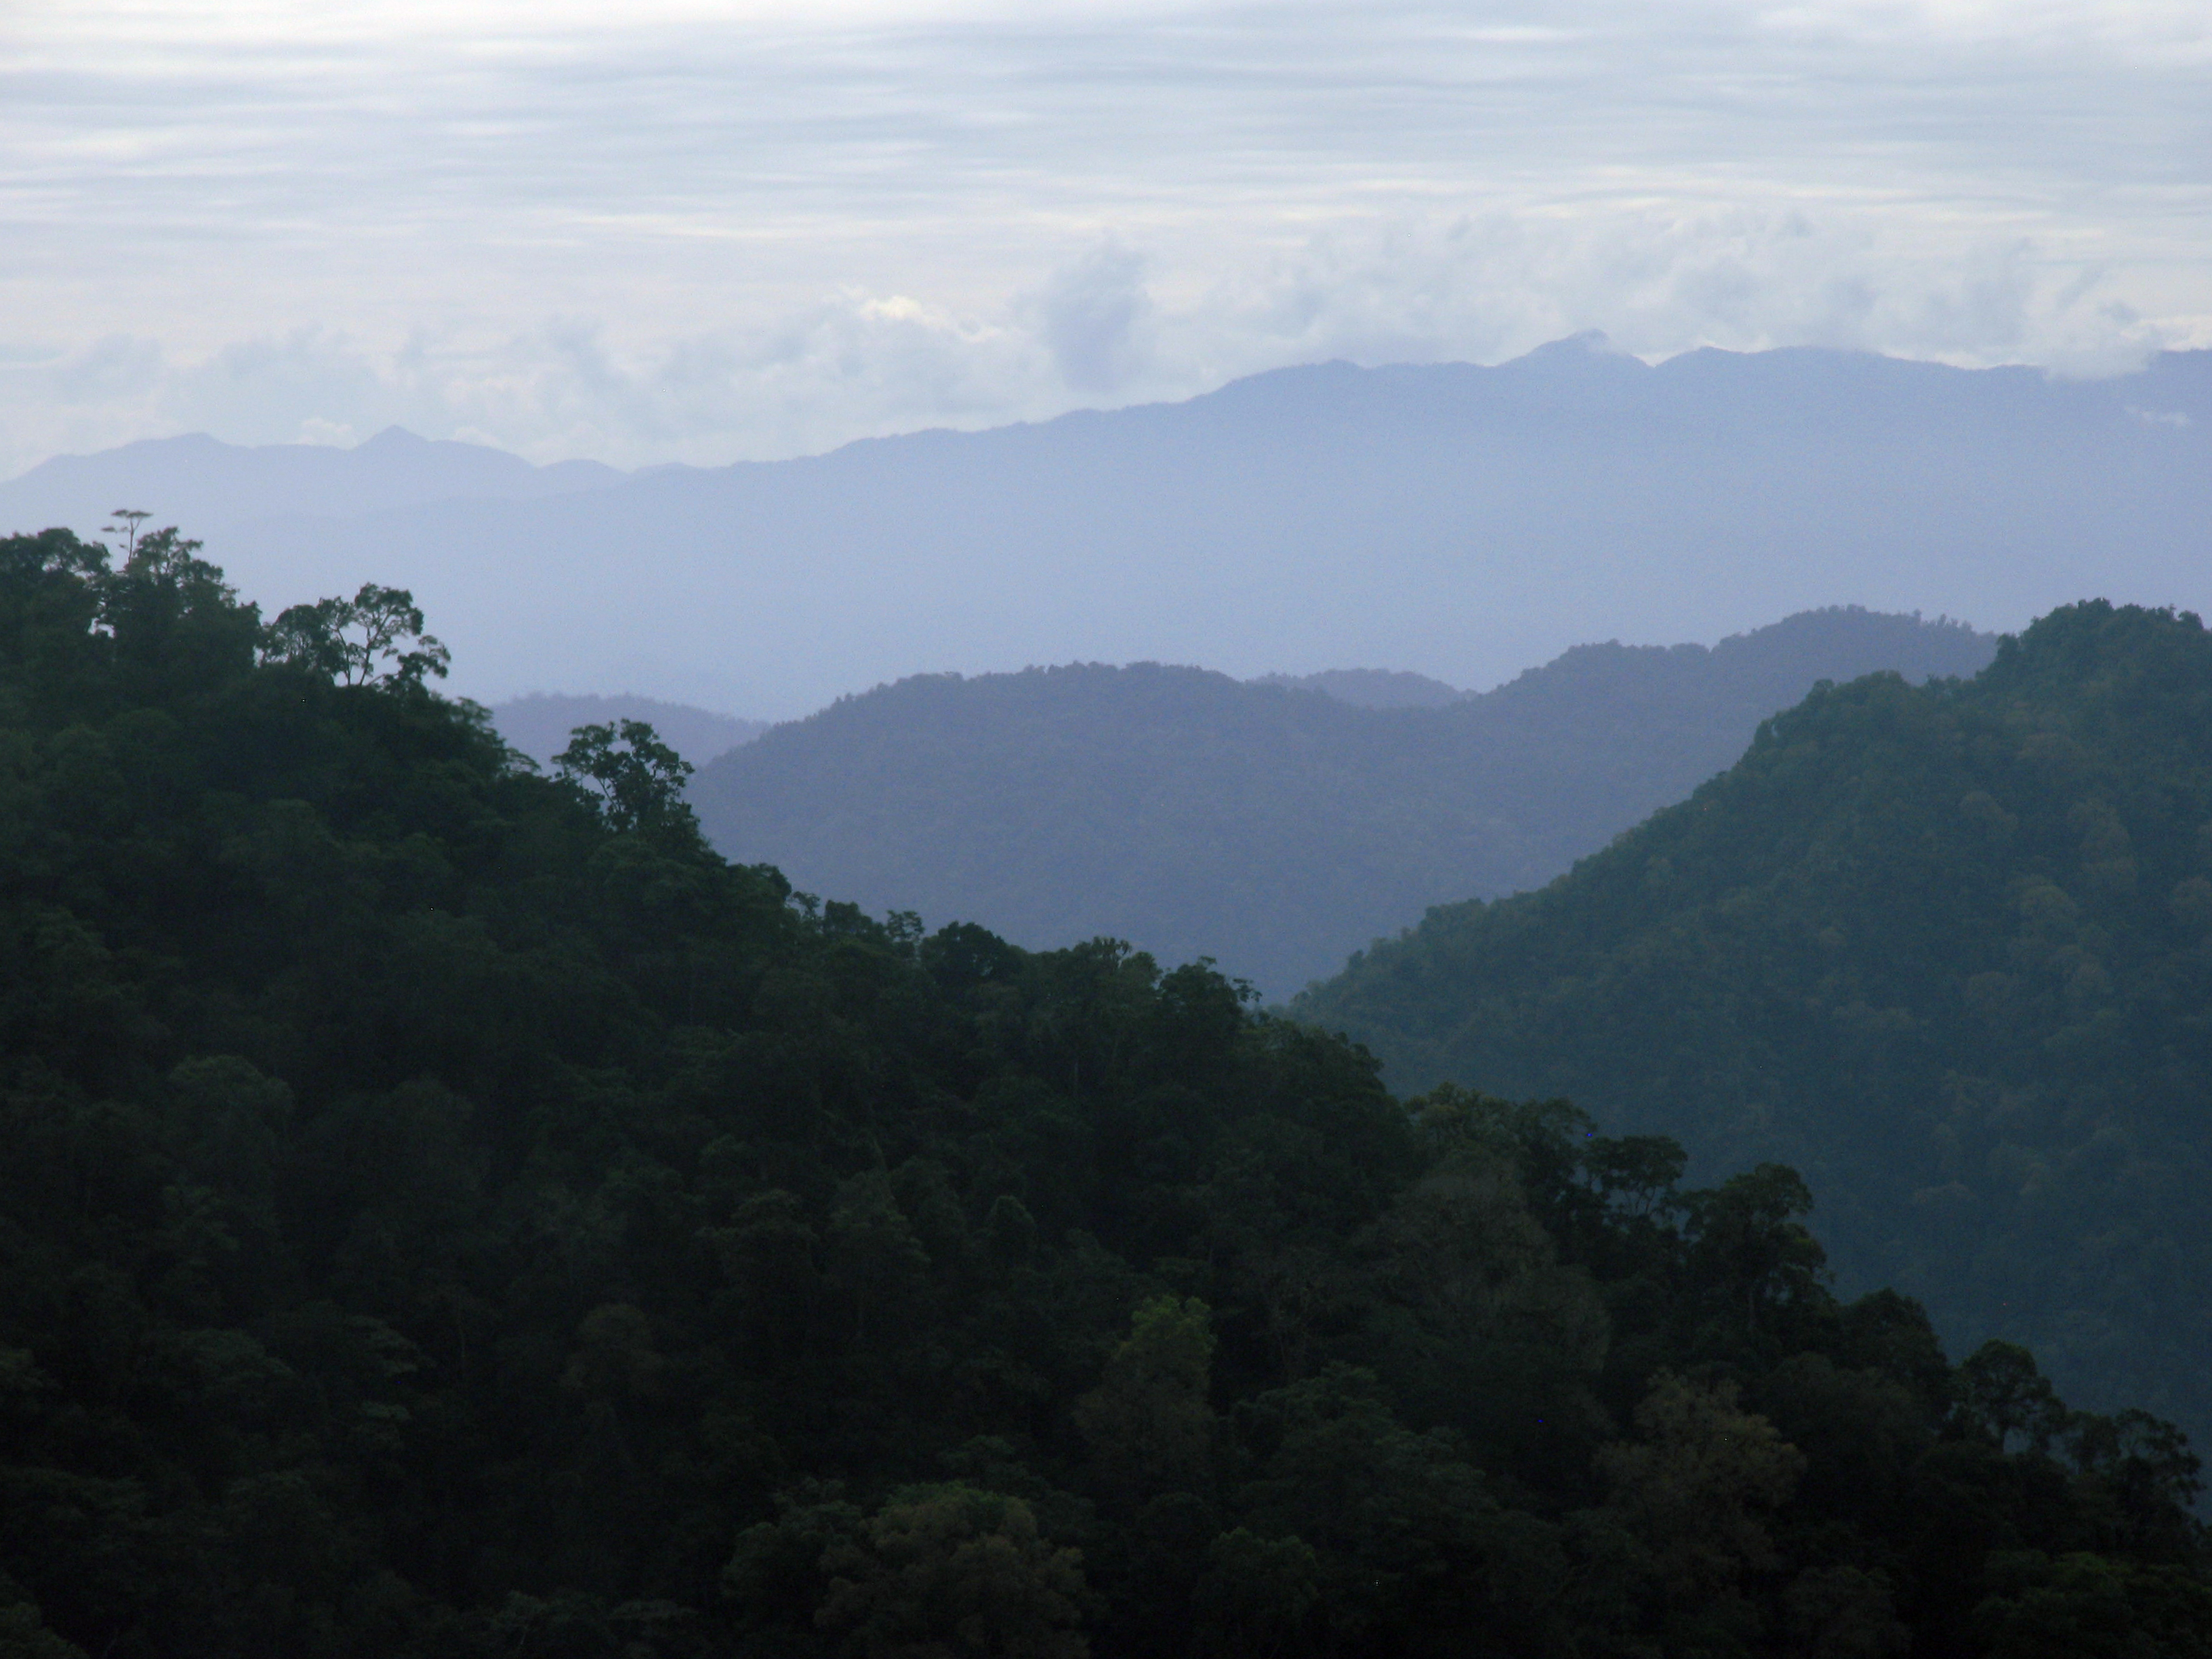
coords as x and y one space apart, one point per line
451 1213
541 724
943 1573
635 779
1945 949
1698 1484
1148 1422
359 640
2085 1606
23 1633
1256 1596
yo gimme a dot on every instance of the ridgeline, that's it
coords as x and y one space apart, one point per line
1275 829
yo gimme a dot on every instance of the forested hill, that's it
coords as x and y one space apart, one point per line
1273 829
1947 948
449 1212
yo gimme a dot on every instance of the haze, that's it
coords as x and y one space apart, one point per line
1462 522
715 233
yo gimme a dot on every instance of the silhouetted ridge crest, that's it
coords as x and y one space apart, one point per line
1269 828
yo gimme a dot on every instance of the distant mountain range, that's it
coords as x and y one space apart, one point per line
1273 828
210 488
1457 521
541 723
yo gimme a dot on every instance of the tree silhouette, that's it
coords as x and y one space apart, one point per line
635 779
375 636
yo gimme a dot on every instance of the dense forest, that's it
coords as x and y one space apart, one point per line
1948 949
451 1211
1273 830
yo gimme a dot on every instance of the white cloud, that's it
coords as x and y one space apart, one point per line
1091 316
1480 287
707 231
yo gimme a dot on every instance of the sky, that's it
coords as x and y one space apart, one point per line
676 231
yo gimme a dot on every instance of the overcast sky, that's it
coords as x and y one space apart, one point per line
714 231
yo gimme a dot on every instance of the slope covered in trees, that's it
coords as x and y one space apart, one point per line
1947 948
449 1211
1274 830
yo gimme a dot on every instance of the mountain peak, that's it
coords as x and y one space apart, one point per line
1591 349
1589 343
391 439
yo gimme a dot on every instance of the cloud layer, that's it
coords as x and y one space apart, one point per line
712 233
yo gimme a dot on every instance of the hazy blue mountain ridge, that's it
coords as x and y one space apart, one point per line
209 487
1456 521
1276 829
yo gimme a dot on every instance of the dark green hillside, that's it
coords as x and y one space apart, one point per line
449 1212
1274 830
1948 949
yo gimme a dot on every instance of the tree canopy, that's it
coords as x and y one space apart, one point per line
1947 949
451 1211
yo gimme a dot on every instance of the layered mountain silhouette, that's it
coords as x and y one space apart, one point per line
1456 521
1947 950
1274 829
